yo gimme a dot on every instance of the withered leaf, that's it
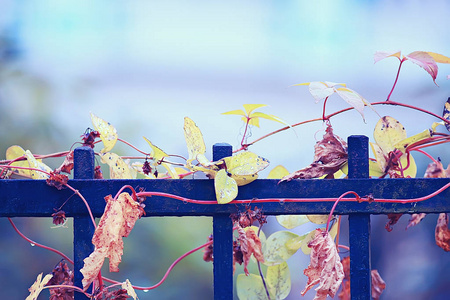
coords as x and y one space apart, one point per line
67 165
250 244
116 222
442 233
378 285
415 219
393 219
329 155
325 267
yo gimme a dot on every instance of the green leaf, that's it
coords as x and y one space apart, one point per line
275 250
250 287
108 134
278 280
292 221
226 187
245 163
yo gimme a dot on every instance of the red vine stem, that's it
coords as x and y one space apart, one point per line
427 155
284 200
396 78
75 288
132 146
37 244
335 204
168 270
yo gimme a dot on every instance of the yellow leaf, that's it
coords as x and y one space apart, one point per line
250 287
278 279
244 179
194 139
238 112
226 187
129 288
201 158
14 152
379 156
251 107
37 286
118 168
34 163
412 169
108 133
318 219
157 154
278 172
375 169
245 163
388 132
401 145
268 117
171 170
276 250
439 58
292 221
308 237
252 121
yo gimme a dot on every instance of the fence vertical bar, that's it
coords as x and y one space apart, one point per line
83 229
223 241
359 231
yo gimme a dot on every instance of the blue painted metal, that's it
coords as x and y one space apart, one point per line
359 224
83 229
33 198
222 241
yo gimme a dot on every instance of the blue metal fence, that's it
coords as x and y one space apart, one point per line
34 198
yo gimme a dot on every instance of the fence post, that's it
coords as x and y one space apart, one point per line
359 224
83 229
223 241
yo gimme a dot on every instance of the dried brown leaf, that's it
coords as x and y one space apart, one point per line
442 233
435 170
415 219
378 285
329 155
250 244
117 221
393 219
67 165
325 267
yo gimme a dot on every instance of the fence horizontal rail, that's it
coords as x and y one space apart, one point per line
17 200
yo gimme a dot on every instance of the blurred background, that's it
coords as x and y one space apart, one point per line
145 65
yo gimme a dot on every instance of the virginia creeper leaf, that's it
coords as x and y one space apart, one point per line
38 285
118 168
250 245
330 155
446 113
439 58
275 250
225 186
401 145
249 108
292 221
388 132
378 284
442 233
379 55
194 139
318 219
245 163
14 152
250 287
130 290
34 163
278 280
117 221
278 172
158 155
353 98
108 134
325 267
238 112
426 61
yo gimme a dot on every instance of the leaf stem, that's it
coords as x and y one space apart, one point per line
245 133
396 78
